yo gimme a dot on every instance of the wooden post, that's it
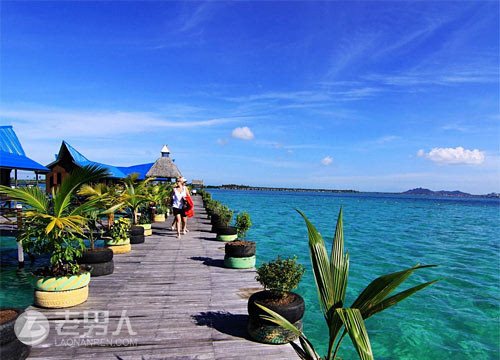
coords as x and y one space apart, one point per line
15 178
20 251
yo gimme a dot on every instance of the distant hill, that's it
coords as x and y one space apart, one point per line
456 193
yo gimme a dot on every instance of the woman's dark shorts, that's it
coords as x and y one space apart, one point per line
180 212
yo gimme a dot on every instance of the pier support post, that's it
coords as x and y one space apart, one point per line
20 251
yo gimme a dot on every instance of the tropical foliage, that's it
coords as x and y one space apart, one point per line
54 224
243 224
135 195
280 275
331 273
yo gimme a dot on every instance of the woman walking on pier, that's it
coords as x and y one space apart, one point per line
178 195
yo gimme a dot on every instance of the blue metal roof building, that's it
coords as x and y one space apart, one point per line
13 157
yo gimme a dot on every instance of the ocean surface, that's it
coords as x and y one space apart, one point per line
456 318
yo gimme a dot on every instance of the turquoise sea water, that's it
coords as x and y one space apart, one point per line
456 318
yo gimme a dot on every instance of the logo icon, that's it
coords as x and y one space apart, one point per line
32 327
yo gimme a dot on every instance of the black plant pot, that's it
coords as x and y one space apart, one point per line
10 347
100 261
268 332
240 249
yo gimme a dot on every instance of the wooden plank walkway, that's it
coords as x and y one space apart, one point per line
180 301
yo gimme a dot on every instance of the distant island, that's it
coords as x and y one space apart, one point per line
417 191
456 193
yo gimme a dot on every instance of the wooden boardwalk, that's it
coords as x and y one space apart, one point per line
180 302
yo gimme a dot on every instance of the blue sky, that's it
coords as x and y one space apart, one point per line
371 96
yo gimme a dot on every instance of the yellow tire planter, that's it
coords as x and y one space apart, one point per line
62 283
114 242
147 229
61 299
159 218
120 249
61 291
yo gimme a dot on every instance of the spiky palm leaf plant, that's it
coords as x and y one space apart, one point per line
331 273
135 195
53 224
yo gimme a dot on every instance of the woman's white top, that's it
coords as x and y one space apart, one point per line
177 197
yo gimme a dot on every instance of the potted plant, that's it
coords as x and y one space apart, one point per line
221 226
243 224
54 225
144 221
10 346
100 260
240 254
279 278
119 240
331 274
159 194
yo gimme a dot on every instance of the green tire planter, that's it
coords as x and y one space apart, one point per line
239 263
227 237
62 283
114 242
271 334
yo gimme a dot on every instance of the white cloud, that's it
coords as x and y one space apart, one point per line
457 155
49 123
327 160
222 142
243 133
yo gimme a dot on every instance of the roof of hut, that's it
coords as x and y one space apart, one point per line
80 160
164 167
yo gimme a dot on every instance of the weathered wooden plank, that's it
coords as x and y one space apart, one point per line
179 299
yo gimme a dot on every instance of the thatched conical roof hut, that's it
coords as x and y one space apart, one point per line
164 167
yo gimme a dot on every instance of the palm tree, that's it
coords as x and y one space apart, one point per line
110 198
53 224
331 275
135 194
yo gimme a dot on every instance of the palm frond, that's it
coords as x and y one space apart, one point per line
393 300
33 197
321 267
355 326
306 350
381 287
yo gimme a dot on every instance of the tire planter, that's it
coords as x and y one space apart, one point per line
159 218
240 249
137 239
239 262
147 229
100 261
120 249
137 230
293 311
62 283
227 233
62 291
61 299
14 350
7 333
266 331
115 242
104 268
99 255
271 334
